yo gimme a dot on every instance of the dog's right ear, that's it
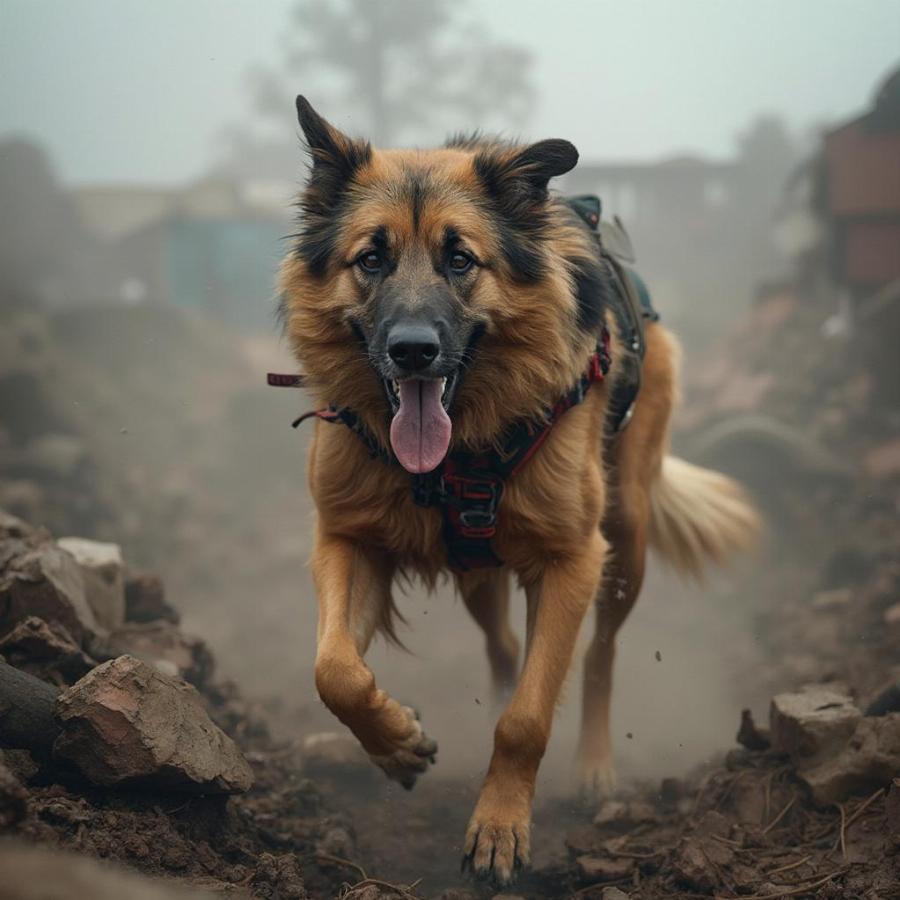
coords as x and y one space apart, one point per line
335 157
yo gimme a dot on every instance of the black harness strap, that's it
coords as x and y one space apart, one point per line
467 487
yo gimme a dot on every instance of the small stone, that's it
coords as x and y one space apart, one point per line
165 647
45 650
813 723
750 736
697 862
596 868
892 615
145 600
102 567
125 722
868 761
46 582
614 893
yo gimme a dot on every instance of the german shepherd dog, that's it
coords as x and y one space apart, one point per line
445 296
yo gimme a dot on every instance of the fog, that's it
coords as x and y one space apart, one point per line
148 158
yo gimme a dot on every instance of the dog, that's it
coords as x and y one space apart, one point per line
438 302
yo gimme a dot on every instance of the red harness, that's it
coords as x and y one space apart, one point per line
468 486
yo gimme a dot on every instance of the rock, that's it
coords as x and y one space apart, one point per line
626 815
596 868
104 585
613 893
868 761
13 799
886 701
125 722
45 650
750 736
145 600
278 877
697 861
46 582
892 615
13 527
166 648
330 753
812 724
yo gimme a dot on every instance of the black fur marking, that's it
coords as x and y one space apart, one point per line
417 190
515 182
335 160
593 292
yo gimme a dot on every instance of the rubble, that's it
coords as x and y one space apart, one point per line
165 647
813 723
102 568
45 582
145 600
13 799
125 722
46 650
868 761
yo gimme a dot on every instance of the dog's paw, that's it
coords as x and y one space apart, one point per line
412 756
497 845
597 780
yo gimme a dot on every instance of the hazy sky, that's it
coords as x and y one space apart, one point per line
139 90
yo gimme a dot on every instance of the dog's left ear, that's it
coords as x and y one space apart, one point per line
540 162
521 176
335 157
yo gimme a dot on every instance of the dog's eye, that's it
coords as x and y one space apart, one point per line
460 263
370 262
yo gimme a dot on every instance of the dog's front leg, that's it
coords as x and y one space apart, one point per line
497 840
353 586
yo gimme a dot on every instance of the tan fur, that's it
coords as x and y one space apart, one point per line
549 535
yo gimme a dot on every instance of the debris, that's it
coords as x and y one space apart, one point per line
278 877
165 647
886 701
892 615
613 893
595 868
892 812
812 724
126 722
750 735
698 860
625 815
13 799
869 760
45 650
102 568
145 600
45 582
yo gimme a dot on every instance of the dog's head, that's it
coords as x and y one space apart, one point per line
440 294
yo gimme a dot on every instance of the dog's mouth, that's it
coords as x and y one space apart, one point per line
421 427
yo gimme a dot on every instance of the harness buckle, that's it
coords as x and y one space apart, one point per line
476 500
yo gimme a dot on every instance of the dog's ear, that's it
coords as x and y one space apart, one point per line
335 157
525 172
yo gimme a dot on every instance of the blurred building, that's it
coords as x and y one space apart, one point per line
840 217
212 247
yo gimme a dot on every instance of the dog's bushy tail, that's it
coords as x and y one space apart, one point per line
698 517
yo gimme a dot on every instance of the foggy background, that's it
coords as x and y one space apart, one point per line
148 158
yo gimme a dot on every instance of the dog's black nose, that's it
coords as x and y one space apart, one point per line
413 347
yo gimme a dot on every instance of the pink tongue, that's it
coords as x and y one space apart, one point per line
420 430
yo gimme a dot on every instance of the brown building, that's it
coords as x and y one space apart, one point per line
861 194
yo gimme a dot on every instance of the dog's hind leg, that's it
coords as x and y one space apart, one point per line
626 529
353 586
497 839
485 593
